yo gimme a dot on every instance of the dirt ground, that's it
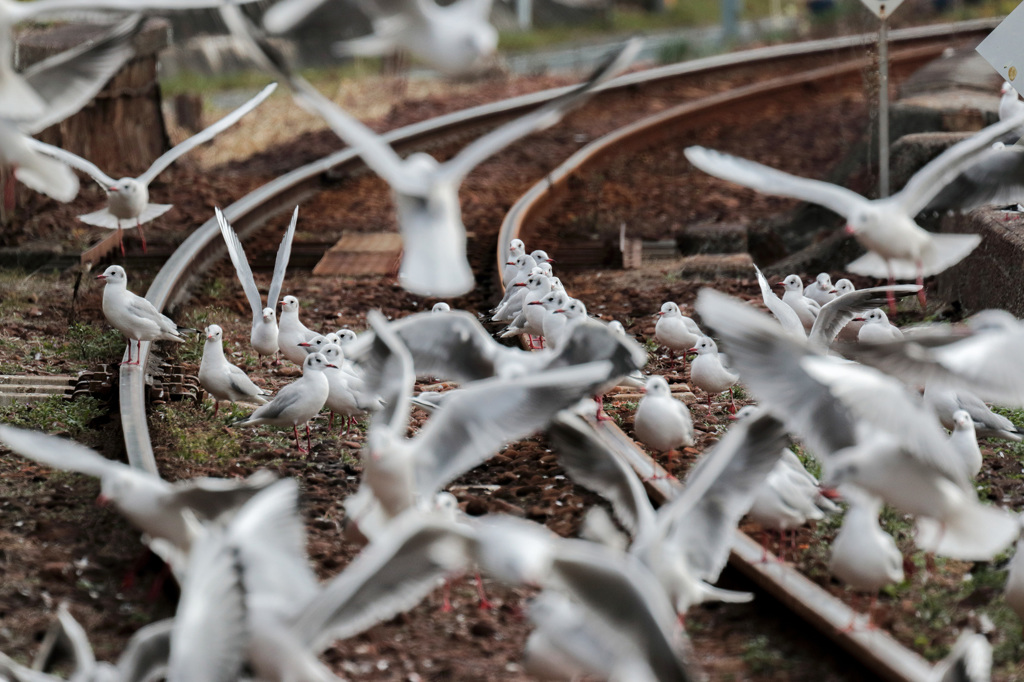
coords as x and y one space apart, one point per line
56 545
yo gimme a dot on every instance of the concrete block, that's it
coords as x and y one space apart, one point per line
990 277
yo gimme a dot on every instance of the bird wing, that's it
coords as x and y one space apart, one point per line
284 253
27 11
58 453
390 375
838 312
71 79
391 575
241 263
719 491
286 15
484 416
148 650
782 311
887 406
210 498
995 179
205 135
768 180
9 668
594 462
944 168
769 363
209 638
546 116
143 309
75 161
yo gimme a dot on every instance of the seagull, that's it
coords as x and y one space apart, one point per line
821 290
662 423
347 393
708 374
868 429
291 332
441 307
674 330
969 661
877 328
987 424
161 510
864 556
128 198
296 403
63 84
453 38
555 335
264 334
1009 102
805 308
516 248
22 97
533 287
425 191
134 316
223 380
897 247
965 442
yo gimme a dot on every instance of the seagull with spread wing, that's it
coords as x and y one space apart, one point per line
263 336
128 198
897 247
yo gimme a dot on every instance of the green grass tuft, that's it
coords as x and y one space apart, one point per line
56 414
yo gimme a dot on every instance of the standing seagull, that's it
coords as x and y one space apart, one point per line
426 192
264 320
821 289
897 247
220 378
709 374
674 330
128 198
134 316
296 403
662 423
292 332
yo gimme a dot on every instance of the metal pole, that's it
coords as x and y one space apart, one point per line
524 14
883 107
730 20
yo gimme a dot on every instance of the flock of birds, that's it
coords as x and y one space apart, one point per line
828 370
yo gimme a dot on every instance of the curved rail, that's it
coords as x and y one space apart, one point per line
189 260
876 649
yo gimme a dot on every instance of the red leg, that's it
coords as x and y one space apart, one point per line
142 235
446 603
298 444
120 237
601 416
216 406
309 444
330 422
732 401
484 602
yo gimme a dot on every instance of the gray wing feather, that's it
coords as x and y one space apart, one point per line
471 426
70 80
59 453
284 253
996 178
838 312
594 462
241 263
391 575
147 651
769 364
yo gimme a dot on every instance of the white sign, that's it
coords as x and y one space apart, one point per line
882 8
1004 48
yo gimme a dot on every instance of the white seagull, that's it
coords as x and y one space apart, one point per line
263 336
296 403
291 331
662 423
134 316
709 374
897 247
128 198
821 289
425 191
676 331
220 378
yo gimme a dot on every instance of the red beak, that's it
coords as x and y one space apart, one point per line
559 311
834 291
519 284
102 501
330 365
305 344
112 189
209 338
692 350
659 313
859 319
831 493
551 260
780 284
848 229
101 276
535 303
511 262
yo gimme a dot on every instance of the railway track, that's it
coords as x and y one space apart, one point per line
911 48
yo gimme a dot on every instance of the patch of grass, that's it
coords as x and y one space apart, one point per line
56 414
761 657
195 435
88 343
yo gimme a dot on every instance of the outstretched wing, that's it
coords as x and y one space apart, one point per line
241 263
169 157
284 253
75 161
